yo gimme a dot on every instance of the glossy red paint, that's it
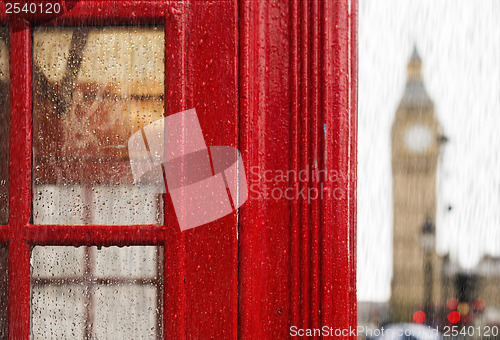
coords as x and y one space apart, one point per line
278 81
20 179
297 105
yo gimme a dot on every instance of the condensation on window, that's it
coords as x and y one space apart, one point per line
93 88
4 171
4 124
96 292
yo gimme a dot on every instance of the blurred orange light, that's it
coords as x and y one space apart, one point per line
479 304
463 308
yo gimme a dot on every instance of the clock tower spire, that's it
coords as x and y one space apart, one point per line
415 65
415 150
415 93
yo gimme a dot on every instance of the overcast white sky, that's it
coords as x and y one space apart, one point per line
459 42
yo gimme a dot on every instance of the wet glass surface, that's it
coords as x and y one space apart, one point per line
96 293
93 88
4 125
4 171
4 290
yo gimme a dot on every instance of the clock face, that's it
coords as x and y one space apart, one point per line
418 137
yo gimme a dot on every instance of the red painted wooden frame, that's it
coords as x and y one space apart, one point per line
277 80
298 73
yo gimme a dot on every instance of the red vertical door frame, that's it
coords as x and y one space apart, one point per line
201 70
174 295
298 69
353 53
20 179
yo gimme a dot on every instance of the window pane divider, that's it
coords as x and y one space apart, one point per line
100 235
20 179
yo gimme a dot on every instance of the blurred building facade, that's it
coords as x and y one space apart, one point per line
415 150
420 275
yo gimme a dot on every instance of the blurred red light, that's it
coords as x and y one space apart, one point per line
466 319
419 316
479 304
454 317
453 304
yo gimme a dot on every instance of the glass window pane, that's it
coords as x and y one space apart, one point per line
126 313
4 171
93 88
4 291
96 293
4 125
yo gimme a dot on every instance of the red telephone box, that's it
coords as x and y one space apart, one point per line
275 79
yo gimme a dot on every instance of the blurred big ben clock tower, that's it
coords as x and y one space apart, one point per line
415 150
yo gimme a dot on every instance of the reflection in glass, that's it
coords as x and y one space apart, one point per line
4 171
4 291
4 125
93 88
96 293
